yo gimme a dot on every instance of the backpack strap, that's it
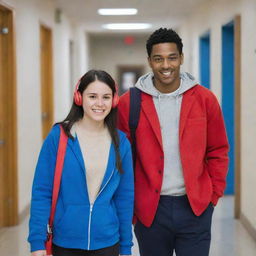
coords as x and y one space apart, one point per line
134 116
57 175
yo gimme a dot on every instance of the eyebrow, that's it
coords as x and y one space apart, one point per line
94 93
171 54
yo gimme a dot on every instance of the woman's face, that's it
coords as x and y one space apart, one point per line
97 101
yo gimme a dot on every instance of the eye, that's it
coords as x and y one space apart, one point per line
173 58
157 59
106 97
92 96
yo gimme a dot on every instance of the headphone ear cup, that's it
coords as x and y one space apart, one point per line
78 99
115 100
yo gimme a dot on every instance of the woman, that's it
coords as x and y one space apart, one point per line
95 204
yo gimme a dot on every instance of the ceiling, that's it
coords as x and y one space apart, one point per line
160 13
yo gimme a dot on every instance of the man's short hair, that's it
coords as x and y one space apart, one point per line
164 35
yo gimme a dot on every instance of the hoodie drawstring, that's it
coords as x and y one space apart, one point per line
159 105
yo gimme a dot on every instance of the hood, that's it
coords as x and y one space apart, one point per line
145 84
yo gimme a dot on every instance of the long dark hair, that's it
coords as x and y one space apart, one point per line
76 113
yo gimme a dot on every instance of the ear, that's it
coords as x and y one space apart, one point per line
149 62
182 58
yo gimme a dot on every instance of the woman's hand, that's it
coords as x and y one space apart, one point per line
39 253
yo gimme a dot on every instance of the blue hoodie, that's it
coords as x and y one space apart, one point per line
77 223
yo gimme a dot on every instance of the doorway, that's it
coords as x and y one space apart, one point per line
46 79
8 136
204 56
71 69
128 76
231 104
228 96
237 59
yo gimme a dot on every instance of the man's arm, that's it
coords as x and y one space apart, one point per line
217 149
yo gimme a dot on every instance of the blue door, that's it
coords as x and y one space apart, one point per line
228 96
204 52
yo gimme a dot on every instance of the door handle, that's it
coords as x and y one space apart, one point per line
4 31
2 142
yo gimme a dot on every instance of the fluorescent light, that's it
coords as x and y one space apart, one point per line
126 26
117 11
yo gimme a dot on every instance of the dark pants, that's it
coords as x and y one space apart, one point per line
108 251
175 228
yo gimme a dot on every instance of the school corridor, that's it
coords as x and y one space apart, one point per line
46 46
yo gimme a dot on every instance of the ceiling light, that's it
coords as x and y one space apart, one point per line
117 11
126 26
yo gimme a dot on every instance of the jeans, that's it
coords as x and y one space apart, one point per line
175 228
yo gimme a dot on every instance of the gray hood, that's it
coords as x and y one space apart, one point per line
145 83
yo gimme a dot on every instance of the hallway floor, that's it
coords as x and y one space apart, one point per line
229 238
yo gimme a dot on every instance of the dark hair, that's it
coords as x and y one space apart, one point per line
76 112
164 35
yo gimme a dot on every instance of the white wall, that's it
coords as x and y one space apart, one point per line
212 16
64 32
81 52
29 14
248 113
62 97
27 22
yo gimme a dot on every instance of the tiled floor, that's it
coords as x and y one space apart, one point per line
229 238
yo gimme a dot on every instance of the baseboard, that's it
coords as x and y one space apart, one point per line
249 227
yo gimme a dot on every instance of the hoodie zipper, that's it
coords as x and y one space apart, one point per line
89 226
90 214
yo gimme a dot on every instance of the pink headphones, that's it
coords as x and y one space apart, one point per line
78 99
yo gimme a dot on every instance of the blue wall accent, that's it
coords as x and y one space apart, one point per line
204 52
228 96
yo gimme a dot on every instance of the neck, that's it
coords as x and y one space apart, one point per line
91 126
166 88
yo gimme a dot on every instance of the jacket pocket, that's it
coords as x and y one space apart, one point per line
105 223
74 222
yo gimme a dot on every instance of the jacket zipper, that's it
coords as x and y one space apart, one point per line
89 226
90 215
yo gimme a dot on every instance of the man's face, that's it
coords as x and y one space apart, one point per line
165 61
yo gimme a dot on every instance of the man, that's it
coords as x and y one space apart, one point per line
182 154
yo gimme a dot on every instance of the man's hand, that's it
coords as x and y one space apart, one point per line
39 253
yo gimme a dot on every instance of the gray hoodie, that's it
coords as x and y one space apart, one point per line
168 109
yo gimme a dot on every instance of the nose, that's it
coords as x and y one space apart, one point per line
99 101
166 63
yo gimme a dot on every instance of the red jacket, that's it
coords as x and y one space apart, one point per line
203 150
